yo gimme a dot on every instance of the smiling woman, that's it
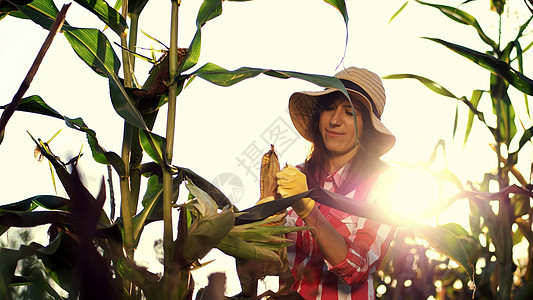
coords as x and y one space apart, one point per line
337 257
339 131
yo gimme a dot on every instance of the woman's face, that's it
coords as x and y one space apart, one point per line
337 128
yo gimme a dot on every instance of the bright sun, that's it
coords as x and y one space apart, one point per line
416 193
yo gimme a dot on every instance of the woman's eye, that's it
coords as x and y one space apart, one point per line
349 112
331 107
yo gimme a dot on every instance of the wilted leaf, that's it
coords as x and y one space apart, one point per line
206 205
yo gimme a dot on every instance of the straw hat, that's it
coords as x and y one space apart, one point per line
363 86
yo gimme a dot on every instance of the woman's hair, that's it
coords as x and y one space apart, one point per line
363 164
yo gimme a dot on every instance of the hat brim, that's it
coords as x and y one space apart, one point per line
302 105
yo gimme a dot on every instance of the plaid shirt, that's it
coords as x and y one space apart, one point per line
367 243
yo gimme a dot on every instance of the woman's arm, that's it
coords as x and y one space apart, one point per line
331 242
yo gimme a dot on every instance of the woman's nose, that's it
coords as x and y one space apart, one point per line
336 118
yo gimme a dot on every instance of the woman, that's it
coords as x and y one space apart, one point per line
336 258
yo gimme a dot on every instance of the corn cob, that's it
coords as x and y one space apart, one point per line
250 271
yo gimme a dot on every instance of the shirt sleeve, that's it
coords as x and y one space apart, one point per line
366 248
367 240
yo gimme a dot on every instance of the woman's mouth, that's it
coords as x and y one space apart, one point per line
333 133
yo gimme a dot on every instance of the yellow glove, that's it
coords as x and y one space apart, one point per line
291 182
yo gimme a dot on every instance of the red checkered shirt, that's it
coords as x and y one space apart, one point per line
367 243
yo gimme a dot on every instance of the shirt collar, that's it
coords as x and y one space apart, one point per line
337 177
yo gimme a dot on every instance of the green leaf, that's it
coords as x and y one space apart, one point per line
463 18
240 249
99 154
154 145
341 7
135 7
223 77
521 205
35 104
106 13
503 109
209 10
59 259
206 233
32 219
430 84
6 7
398 11
526 137
93 47
496 66
9 263
456 119
447 243
152 205
42 12
47 201
153 193
150 283
522 28
124 106
474 101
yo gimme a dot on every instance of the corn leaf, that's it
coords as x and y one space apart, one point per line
136 6
152 205
59 259
526 137
209 10
106 13
430 84
206 206
496 66
153 193
46 201
240 249
9 263
474 100
42 12
464 18
153 145
503 108
220 76
398 11
448 244
99 154
35 104
206 233
340 5
92 47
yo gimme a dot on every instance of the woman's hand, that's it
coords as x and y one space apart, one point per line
291 182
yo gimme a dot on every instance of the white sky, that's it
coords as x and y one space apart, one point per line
216 125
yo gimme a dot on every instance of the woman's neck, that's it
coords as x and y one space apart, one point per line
337 162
